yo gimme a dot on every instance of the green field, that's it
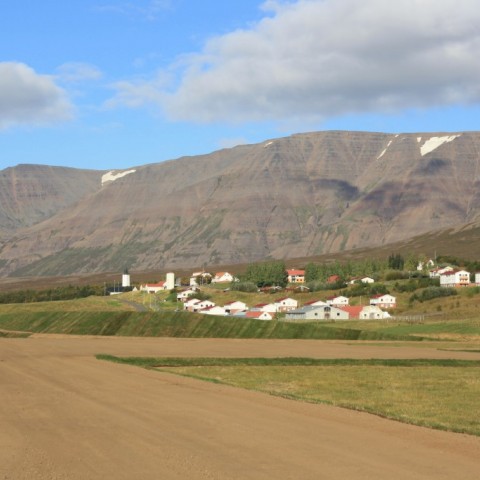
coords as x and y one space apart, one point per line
441 394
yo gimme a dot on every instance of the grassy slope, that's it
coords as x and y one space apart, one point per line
177 324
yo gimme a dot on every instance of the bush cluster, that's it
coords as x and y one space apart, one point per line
432 292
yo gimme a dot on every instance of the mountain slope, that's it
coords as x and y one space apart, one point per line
302 195
31 193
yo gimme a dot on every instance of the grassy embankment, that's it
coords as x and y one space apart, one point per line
441 394
178 324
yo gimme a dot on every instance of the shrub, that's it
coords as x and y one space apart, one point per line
244 287
432 292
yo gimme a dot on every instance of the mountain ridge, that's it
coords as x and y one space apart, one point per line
297 196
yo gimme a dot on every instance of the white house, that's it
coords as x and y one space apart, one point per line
286 304
224 277
194 304
315 303
383 301
339 301
236 306
154 287
216 310
259 315
185 294
361 280
372 312
436 272
320 312
189 304
265 307
455 278
200 278
296 276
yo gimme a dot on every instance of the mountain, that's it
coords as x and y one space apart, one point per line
30 194
303 195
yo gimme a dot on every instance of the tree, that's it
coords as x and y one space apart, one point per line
396 262
267 274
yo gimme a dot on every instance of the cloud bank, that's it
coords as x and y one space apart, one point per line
28 98
318 59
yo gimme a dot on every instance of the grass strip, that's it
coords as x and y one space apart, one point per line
156 362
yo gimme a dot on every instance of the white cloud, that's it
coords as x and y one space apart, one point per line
315 59
78 72
28 98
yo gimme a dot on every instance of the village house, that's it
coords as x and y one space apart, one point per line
154 287
436 272
265 307
200 278
224 277
186 294
361 280
259 315
333 279
194 304
383 301
286 304
455 278
236 306
371 312
365 312
319 312
339 301
296 276
424 265
215 310
315 303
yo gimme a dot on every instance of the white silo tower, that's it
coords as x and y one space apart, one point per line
125 278
170 283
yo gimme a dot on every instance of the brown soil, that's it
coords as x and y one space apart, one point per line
66 415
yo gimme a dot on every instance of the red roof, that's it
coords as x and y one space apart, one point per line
353 311
159 284
296 272
251 314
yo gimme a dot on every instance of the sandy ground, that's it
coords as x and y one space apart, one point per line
66 415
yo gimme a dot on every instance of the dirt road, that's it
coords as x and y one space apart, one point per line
66 415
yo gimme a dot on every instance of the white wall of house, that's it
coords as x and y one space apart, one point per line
384 301
223 277
339 301
220 311
286 304
235 306
371 312
460 278
321 312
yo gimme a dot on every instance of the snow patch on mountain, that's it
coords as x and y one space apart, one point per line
433 143
112 176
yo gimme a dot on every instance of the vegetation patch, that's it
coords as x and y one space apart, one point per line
441 394
14 334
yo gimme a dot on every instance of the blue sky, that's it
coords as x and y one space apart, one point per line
110 84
